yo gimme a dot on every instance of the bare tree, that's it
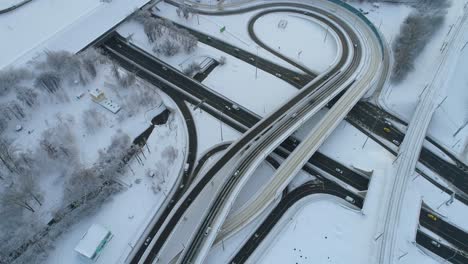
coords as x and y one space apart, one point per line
50 81
27 96
12 77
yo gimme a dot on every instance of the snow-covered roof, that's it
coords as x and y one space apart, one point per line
96 92
110 105
92 240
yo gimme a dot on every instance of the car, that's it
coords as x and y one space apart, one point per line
209 38
435 243
296 79
350 199
236 173
388 123
228 108
339 170
355 45
236 49
432 217
396 142
294 115
235 107
252 59
164 68
278 75
386 129
207 231
147 241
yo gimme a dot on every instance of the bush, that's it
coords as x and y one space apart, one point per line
168 48
192 68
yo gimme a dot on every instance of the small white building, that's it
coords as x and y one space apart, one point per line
97 95
93 242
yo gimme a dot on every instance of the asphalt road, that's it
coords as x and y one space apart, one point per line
342 75
364 116
447 253
319 160
449 232
127 57
225 105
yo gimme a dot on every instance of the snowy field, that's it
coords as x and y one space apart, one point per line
401 99
317 48
72 145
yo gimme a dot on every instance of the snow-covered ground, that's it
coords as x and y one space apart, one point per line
402 98
73 25
65 132
317 48
210 131
128 213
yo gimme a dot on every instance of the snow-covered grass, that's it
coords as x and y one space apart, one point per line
317 48
325 231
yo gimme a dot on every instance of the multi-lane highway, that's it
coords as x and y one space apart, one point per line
364 116
339 78
148 63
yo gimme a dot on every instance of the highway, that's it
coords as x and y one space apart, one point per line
291 144
451 233
231 152
364 116
201 241
150 63
445 252
293 102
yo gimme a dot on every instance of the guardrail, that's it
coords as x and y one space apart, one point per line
364 18
13 7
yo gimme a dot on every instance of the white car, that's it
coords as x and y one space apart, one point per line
396 142
350 199
339 170
147 241
435 243
235 107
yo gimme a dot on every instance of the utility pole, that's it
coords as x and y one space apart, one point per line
221 125
326 35
256 65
